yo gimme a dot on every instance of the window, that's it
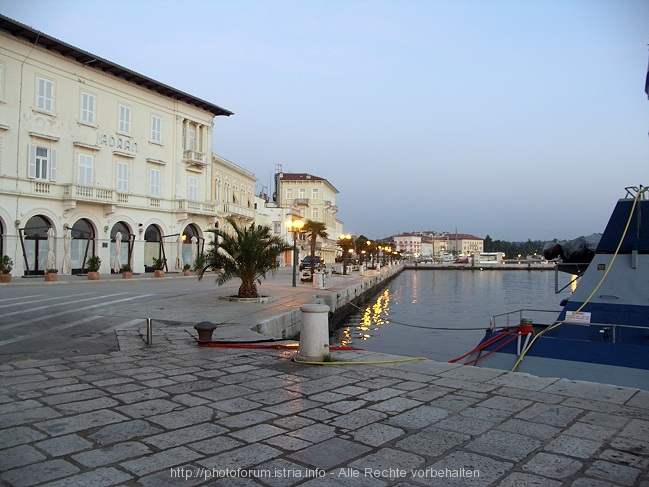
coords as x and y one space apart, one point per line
2 81
41 163
315 193
193 188
302 193
84 172
44 94
315 214
156 129
277 227
122 177
289 193
124 126
191 139
154 182
88 108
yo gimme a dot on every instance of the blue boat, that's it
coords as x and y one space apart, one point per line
602 332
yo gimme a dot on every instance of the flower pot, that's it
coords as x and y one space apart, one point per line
158 273
186 272
50 276
5 277
93 275
127 274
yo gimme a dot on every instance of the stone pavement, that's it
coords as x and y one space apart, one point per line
178 414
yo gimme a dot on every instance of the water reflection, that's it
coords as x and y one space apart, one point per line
443 314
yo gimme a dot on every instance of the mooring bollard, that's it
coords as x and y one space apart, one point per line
314 333
205 330
149 333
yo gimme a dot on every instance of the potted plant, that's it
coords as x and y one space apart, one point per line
127 271
94 263
199 264
159 266
186 269
50 274
6 265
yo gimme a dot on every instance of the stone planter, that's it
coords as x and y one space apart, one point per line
93 275
50 276
186 272
5 277
158 273
127 274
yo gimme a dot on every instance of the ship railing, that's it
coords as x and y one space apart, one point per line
513 318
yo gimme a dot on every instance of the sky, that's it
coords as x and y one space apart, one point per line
515 119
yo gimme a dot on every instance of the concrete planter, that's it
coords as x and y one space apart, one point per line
5 278
158 273
127 274
93 275
50 276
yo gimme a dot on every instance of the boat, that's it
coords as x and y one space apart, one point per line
602 332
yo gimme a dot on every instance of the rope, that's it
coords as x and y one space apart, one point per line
559 323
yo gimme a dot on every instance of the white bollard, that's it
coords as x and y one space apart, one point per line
314 333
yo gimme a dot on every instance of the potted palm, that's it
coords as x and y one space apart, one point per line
199 264
6 265
127 271
94 263
51 274
159 266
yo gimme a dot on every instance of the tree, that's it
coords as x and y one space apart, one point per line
248 253
314 230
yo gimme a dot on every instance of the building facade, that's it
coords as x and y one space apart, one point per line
96 159
312 198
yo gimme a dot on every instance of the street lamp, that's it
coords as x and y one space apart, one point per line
294 226
344 242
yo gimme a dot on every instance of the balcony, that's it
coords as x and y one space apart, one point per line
194 157
301 201
232 209
92 194
192 207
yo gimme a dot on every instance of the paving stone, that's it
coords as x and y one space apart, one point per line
140 395
246 419
38 473
637 429
526 428
80 422
318 414
189 400
17 436
464 424
111 454
486 414
388 463
64 445
419 417
613 472
241 458
87 405
505 403
395 405
73 396
30 386
329 453
555 415
214 445
235 405
27 416
271 397
19 456
432 442
184 435
292 423
127 430
291 408
626 458
314 433
224 392
591 390
344 407
162 460
518 479
376 434
553 466
464 467
573 446
454 402
12 407
509 446
357 419
100 477
148 408
287 443
257 433
594 432
185 417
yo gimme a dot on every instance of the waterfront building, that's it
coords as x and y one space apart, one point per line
409 244
96 159
464 244
312 198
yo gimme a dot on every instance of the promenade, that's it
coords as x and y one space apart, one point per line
176 414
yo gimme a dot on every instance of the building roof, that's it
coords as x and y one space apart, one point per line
36 37
303 176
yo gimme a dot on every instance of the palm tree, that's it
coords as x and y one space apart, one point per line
314 230
247 253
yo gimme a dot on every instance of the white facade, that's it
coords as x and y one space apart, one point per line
94 151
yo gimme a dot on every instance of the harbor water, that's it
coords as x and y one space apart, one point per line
442 314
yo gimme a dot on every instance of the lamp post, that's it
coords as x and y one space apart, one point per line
294 226
344 242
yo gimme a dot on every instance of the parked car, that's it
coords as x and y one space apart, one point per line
306 263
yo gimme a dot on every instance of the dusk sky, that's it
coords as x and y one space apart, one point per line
513 119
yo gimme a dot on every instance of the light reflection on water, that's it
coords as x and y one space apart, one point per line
408 316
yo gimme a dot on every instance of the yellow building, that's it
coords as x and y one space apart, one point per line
314 198
96 159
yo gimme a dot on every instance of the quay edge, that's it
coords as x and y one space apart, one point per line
342 301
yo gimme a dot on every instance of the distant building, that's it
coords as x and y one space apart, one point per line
464 244
313 198
409 244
